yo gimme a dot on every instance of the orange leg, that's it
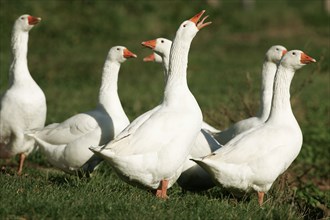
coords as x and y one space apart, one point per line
162 189
261 198
22 157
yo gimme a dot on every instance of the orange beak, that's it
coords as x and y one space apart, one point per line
33 20
150 44
129 54
284 52
149 58
200 24
305 59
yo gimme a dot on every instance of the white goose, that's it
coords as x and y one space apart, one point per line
23 105
254 159
66 144
161 54
151 153
272 58
193 177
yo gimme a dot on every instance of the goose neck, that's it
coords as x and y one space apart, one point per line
281 94
165 62
19 43
19 68
267 83
109 89
177 72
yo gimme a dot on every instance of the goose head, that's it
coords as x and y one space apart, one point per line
275 53
188 29
120 54
26 22
161 46
296 59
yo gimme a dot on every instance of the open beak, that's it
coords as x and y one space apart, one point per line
284 52
149 58
200 24
129 54
33 20
305 59
150 44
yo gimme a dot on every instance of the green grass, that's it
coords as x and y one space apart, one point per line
50 194
66 54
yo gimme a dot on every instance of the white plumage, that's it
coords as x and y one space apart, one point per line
66 144
254 159
23 105
151 153
161 54
193 177
269 67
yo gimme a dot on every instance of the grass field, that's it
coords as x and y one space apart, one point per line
66 55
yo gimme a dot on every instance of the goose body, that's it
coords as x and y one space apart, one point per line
23 105
254 159
66 144
272 58
151 154
193 177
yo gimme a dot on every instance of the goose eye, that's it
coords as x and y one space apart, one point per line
294 53
184 25
118 49
162 41
277 49
22 18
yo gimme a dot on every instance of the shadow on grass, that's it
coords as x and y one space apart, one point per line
67 180
222 194
287 191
